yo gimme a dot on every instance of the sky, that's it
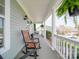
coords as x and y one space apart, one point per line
60 21
48 22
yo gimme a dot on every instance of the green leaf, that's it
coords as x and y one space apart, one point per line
72 8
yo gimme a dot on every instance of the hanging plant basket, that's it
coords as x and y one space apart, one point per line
72 6
74 11
29 22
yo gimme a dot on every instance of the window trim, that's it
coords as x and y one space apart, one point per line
6 28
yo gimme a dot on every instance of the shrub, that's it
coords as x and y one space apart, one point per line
48 34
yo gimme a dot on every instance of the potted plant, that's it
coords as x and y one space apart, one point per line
73 11
72 6
48 34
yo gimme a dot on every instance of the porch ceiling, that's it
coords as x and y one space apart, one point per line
37 10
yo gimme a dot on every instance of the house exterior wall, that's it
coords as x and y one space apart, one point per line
16 24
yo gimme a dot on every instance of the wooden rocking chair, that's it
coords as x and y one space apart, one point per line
29 44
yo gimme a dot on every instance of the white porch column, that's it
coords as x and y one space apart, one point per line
53 29
44 30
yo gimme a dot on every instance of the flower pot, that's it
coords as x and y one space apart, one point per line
74 11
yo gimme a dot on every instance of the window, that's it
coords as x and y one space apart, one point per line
1 31
5 25
2 14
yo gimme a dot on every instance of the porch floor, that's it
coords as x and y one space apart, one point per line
44 53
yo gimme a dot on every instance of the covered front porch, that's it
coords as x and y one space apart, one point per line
59 39
44 53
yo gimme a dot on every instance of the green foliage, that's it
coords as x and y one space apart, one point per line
65 4
48 34
63 8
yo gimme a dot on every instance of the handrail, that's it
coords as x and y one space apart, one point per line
67 38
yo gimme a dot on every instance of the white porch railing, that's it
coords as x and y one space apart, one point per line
67 47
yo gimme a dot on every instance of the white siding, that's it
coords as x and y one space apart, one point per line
16 24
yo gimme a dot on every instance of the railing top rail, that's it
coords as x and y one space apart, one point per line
67 38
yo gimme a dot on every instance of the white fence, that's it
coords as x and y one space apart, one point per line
67 47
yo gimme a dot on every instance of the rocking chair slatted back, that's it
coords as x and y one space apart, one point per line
26 36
